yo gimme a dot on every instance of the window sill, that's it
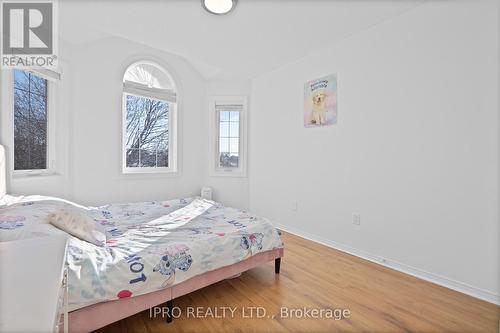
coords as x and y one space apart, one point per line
230 174
149 174
34 174
147 171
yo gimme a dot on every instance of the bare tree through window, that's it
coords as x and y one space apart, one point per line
30 121
147 122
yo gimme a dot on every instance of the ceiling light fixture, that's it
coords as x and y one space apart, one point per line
219 7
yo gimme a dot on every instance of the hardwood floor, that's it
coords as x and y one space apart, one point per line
315 276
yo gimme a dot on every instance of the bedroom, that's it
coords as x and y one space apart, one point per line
342 156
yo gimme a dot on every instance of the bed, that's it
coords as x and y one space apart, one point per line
155 251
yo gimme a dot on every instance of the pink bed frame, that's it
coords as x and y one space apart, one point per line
101 314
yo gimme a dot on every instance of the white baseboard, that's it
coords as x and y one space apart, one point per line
417 272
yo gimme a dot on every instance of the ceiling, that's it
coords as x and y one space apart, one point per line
259 36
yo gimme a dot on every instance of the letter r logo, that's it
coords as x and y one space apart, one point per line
27 28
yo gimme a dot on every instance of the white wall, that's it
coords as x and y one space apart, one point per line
231 191
415 150
97 73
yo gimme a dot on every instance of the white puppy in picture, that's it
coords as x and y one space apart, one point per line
318 115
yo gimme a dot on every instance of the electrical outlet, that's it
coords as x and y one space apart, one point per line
356 218
294 206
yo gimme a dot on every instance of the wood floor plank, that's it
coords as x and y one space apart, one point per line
315 276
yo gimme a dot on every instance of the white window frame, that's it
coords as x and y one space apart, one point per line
172 139
214 123
53 81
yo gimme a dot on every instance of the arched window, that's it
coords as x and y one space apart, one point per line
149 115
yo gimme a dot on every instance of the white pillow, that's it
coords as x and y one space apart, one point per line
76 221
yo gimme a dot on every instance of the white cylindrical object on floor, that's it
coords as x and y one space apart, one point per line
206 193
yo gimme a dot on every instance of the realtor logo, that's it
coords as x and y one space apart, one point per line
28 34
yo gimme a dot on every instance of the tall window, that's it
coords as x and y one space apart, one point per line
30 121
228 150
229 135
149 118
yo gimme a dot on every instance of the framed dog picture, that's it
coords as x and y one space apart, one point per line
320 102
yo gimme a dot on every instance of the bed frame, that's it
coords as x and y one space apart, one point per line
101 314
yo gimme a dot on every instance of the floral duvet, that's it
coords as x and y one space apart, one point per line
154 245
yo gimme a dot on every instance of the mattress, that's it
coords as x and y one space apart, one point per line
23 217
150 245
155 245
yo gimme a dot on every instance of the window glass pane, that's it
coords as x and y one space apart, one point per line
234 160
234 130
21 80
39 108
224 130
162 158
21 108
132 158
224 160
224 116
30 121
147 132
38 85
234 145
227 160
149 75
224 145
234 116
229 133
134 120
147 158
